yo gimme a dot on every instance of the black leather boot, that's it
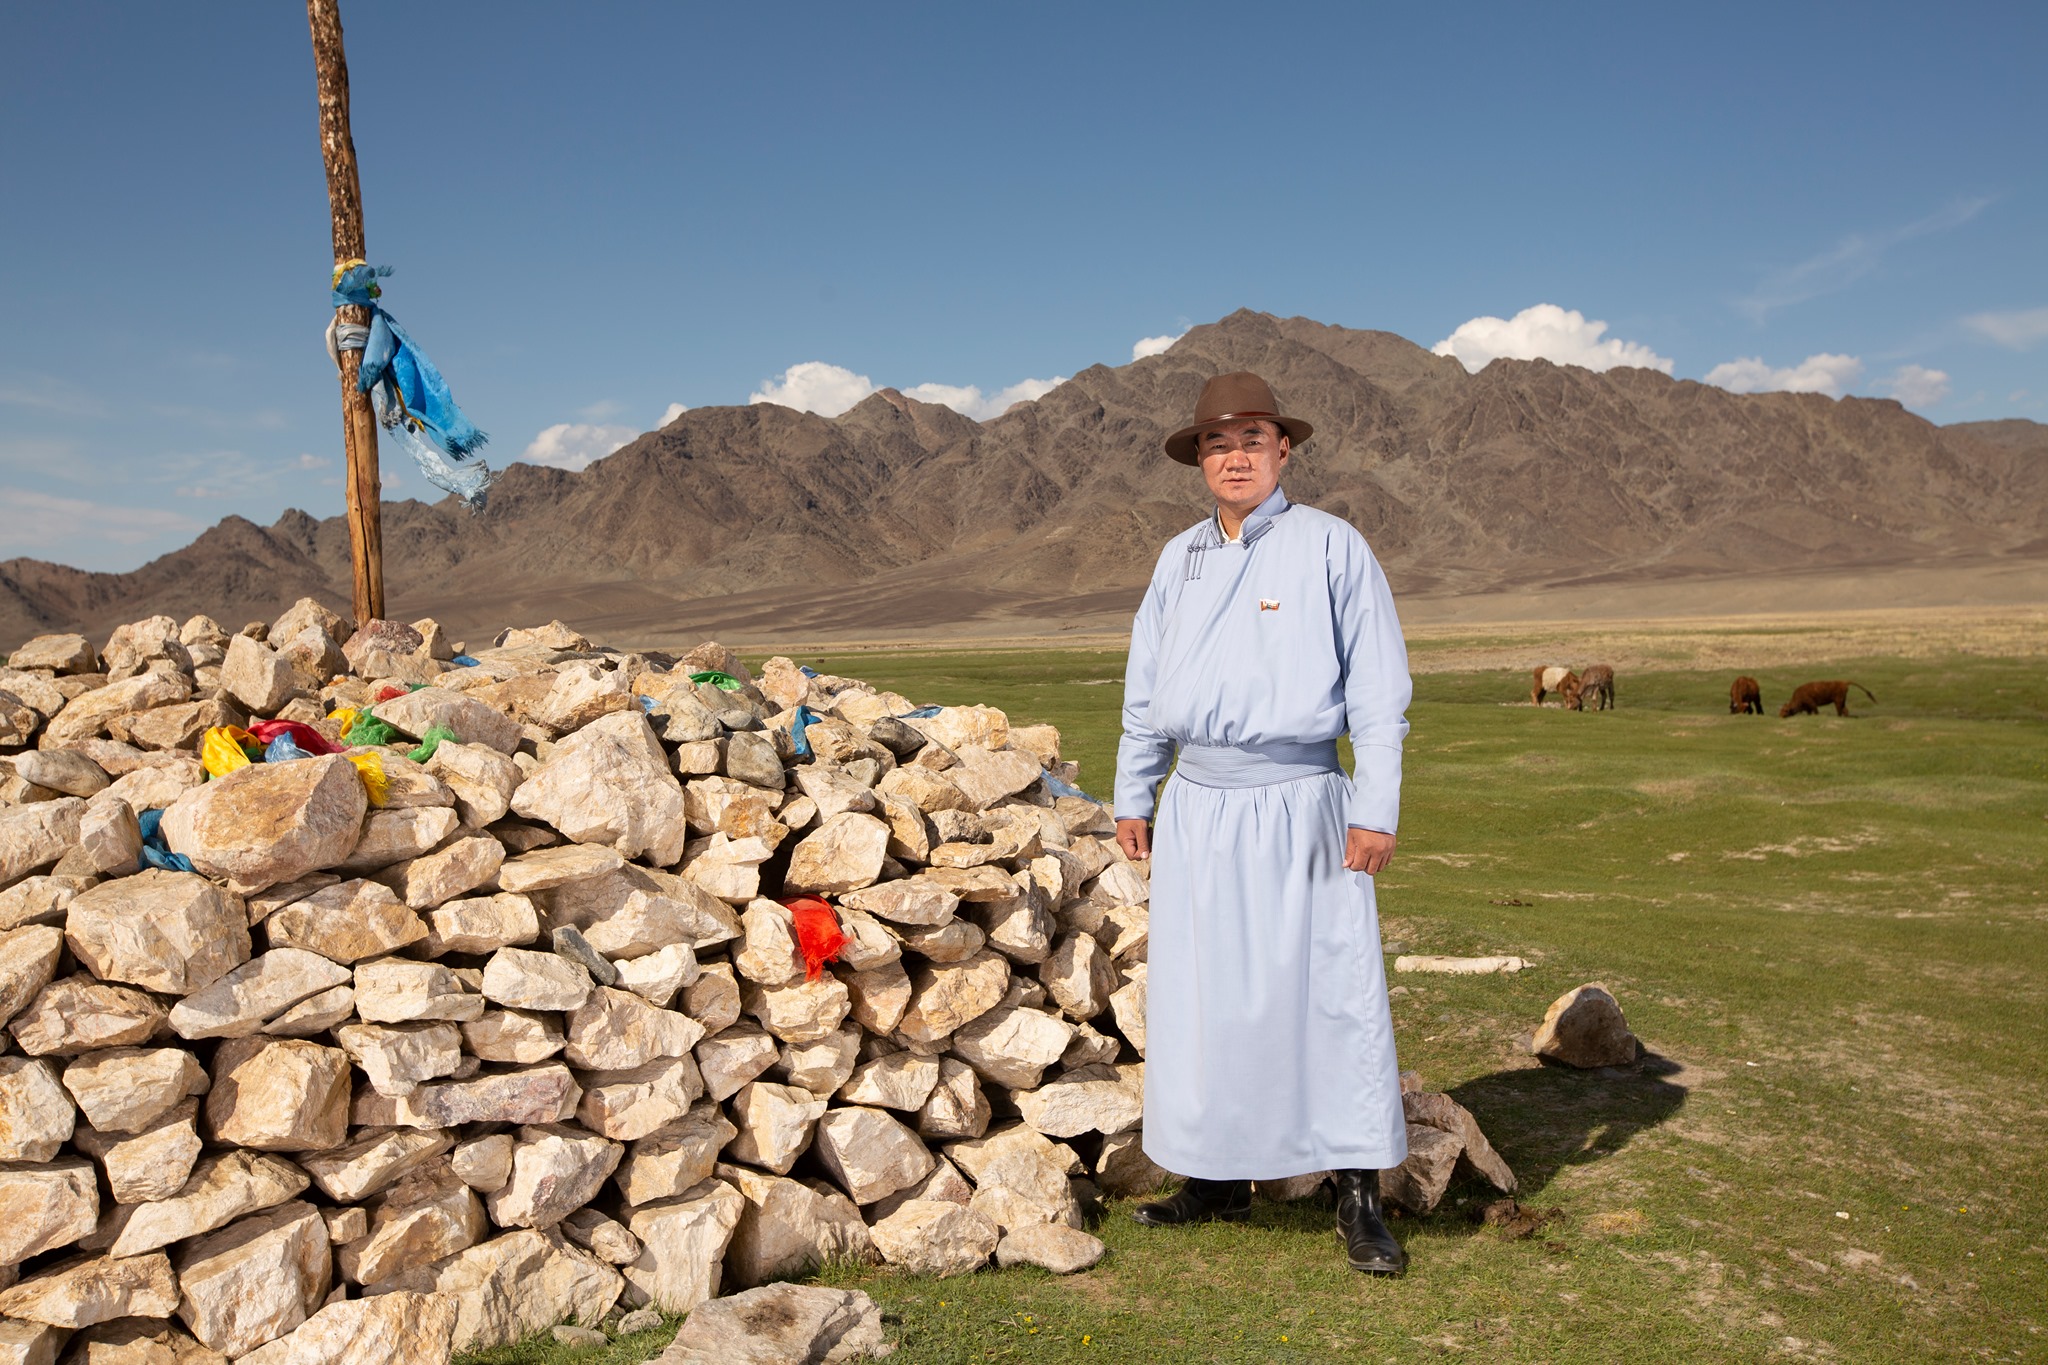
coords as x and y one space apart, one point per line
1368 1246
1199 1201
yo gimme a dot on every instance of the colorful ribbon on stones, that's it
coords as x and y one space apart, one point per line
818 935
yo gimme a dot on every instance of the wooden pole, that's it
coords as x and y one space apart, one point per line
358 419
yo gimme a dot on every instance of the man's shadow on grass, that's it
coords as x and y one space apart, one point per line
1544 1118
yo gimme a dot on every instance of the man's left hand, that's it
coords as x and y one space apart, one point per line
1367 850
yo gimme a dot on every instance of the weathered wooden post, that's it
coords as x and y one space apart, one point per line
345 199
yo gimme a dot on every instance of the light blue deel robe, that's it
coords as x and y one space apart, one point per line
1269 1044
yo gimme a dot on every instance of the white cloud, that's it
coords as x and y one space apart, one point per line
2018 330
1823 373
1546 332
1155 345
1917 386
603 408
575 445
308 461
828 390
814 386
46 522
1848 261
673 411
969 401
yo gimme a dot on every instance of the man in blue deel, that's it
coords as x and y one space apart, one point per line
1268 631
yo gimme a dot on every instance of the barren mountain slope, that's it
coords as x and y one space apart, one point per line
900 513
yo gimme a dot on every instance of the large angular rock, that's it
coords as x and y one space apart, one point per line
426 1217
1446 1114
821 1067
315 1014
986 776
389 649
45 1206
734 1056
393 990
900 1080
75 1014
375 1160
126 1089
131 1341
713 999
957 1107
270 822
672 1161
110 838
36 1112
37 835
636 1101
781 1324
89 1289
615 1030
1419 1182
910 901
580 693
520 978
481 778
787 1228
934 1237
152 1164
513 1036
256 1280
279 1095
456 870
534 1094
945 997
515 1285
609 783
878 996
484 1164
390 837
843 854
1127 1005
482 924
804 1012
174 727
1050 1246
87 715
775 1123
1079 976
136 645
871 1153
472 721
222 1189
254 675
171 932
1092 1099
396 1058
1585 1028
768 951
1028 1167
255 993
1012 1046
659 976
56 653
636 911
547 868
682 1247
61 770
415 1329
556 1170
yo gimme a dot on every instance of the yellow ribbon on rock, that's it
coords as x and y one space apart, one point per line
220 749
370 768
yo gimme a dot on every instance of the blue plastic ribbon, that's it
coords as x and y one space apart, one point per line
283 749
155 851
921 713
1059 786
805 716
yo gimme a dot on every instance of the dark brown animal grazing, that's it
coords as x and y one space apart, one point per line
1810 697
1596 685
1548 678
1745 698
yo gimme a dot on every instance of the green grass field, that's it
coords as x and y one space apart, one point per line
1830 934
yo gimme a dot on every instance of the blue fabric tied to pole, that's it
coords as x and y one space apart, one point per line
804 718
413 402
282 750
921 713
155 851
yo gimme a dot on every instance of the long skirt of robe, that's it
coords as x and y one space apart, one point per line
1269 1043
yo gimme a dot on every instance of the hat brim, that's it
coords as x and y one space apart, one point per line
1181 445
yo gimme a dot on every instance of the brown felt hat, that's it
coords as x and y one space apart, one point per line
1229 398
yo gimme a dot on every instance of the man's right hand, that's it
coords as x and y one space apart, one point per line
1134 837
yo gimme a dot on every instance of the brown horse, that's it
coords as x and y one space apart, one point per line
1596 685
1548 678
1745 698
1810 697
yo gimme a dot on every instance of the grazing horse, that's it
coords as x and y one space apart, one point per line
1596 684
1745 698
1549 678
1810 697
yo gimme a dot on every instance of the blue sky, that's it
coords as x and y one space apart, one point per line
600 211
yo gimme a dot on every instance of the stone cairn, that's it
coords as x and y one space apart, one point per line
636 990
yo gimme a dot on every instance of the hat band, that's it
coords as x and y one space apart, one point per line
1235 417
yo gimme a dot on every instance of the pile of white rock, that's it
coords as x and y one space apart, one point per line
532 1037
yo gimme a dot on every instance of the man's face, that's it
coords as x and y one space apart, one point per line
1241 463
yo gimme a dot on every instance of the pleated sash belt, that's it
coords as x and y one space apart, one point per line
1259 765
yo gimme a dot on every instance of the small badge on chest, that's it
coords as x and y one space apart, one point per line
1268 604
